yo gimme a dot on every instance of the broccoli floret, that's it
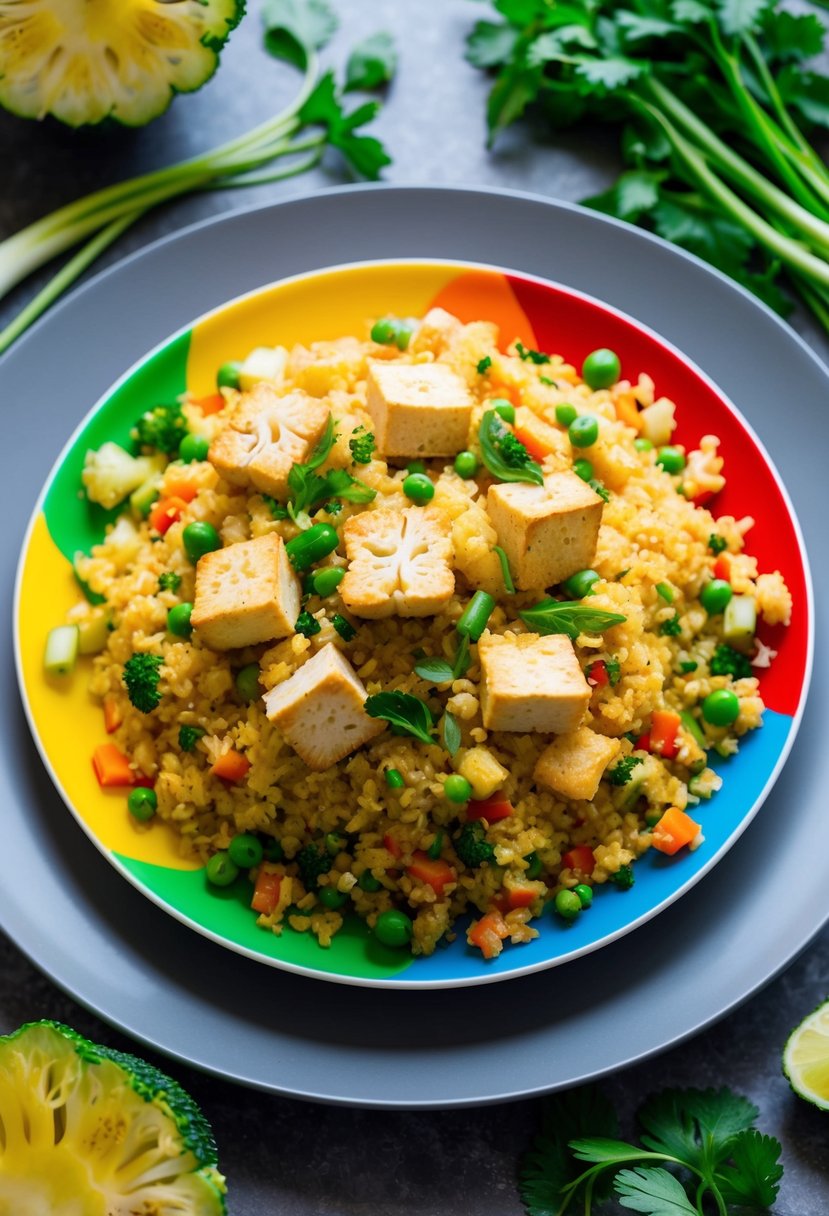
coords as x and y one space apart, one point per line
362 445
623 878
188 737
512 450
163 428
125 1101
472 846
484 365
169 581
141 676
716 543
313 861
726 661
621 773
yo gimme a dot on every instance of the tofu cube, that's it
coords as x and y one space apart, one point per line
418 409
319 710
265 435
399 562
531 683
547 532
245 593
572 765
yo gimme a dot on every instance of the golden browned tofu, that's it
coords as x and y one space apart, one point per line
265 436
399 562
531 683
572 765
418 409
319 710
245 593
547 532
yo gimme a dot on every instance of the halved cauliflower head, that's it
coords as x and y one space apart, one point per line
400 562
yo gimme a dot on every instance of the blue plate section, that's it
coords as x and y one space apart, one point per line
659 879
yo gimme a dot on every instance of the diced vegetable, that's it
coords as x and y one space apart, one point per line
664 733
491 809
111 473
740 622
266 891
231 766
263 363
164 513
93 632
112 714
580 860
693 728
488 933
61 651
436 872
142 499
674 830
112 768
657 421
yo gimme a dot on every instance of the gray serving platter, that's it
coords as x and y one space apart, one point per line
173 990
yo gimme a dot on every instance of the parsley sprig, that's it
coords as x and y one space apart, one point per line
698 1147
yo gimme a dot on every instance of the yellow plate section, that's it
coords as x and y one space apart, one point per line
68 720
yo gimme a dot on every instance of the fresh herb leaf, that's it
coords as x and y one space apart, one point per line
548 1166
509 585
403 710
490 44
484 365
741 16
451 733
599 488
436 671
462 659
555 616
694 1125
505 456
343 627
294 29
361 445
622 771
532 356
717 544
307 625
614 671
323 108
371 64
751 1177
278 510
350 488
654 1191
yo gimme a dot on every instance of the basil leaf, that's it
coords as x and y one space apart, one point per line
436 671
505 456
554 616
451 732
403 710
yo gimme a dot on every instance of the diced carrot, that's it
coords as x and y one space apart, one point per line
164 513
112 714
231 766
211 404
488 934
180 486
266 891
722 567
674 830
112 768
491 809
597 674
626 411
517 896
436 872
390 843
580 860
537 450
664 733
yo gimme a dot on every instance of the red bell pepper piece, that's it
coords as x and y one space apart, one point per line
491 809
579 859
211 404
164 513
722 567
390 843
437 873
597 674
664 733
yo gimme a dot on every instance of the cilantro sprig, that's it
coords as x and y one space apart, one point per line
308 488
700 1151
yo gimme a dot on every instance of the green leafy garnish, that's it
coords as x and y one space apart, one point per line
323 108
561 616
404 711
484 365
361 445
531 356
343 627
142 673
672 627
295 29
372 63
307 625
277 509
614 671
440 671
450 732
188 736
599 488
509 585
308 488
724 1163
622 771
343 485
716 543
505 456
168 580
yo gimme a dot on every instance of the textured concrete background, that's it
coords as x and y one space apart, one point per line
283 1156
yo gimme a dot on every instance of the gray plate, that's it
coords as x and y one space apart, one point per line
169 988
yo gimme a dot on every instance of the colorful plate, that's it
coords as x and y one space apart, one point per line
325 305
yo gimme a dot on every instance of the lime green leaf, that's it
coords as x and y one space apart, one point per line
296 28
638 28
323 108
635 194
741 16
752 1177
654 1192
436 671
792 36
691 12
554 44
607 75
372 63
451 733
600 1149
404 711
548 1166
490 44
561 616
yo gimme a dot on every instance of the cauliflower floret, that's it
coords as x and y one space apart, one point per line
774 600
111 473
702 474
400 563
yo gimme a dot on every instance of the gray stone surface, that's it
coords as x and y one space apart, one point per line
284 1156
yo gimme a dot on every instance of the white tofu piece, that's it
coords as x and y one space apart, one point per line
572 765
418 409
319 710
400 562
245 593
531 683
265 435
547 532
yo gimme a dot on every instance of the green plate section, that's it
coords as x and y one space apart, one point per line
226 912
73 522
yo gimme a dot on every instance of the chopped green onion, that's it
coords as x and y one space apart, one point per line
473 620
394 779
509 585
666 592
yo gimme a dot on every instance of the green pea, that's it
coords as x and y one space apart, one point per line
533 869
393 928
457 788
418 487
331 898
504 408
245 851
335 842
199 538
721 707
247 682
642 444
568 905
583 469
671 459
178 620
384 331
193 447
601 368
715 595
367 882
585 894
228 374
466 465
326 581
311 546
566 413
142 803
394 779
583 431
220 870
581 583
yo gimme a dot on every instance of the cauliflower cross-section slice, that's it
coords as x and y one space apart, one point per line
319 710
531 683
399 562
266 435
245 593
